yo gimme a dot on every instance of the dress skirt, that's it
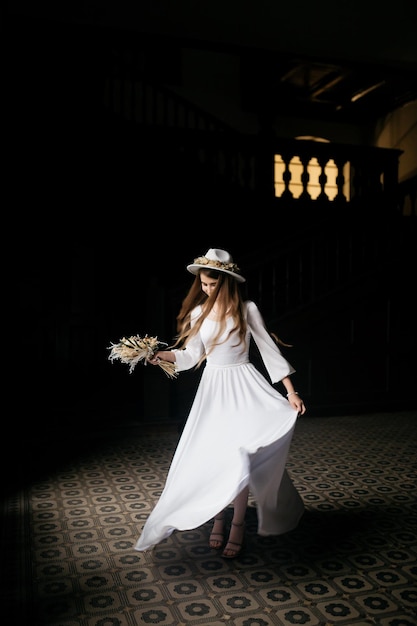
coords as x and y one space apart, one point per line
238 433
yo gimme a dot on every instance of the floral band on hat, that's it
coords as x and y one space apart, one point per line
203 260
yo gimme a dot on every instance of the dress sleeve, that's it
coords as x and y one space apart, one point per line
188 357
276 365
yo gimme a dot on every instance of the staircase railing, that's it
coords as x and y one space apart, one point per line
152 114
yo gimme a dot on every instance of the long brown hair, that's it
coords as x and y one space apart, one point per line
229 303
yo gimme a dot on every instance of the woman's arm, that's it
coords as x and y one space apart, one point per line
185 358
276 365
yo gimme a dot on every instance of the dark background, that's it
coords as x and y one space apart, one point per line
100 232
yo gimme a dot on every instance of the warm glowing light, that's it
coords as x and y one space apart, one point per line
364 92
314 171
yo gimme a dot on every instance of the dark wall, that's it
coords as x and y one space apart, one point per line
101 227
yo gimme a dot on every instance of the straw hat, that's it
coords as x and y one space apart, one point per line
219 260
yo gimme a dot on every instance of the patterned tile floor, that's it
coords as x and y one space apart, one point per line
68 537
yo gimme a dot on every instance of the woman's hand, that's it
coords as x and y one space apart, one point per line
162 355
155 359
297 403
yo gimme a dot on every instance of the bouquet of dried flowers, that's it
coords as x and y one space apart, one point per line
131 350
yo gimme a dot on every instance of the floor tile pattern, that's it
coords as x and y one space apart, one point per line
70 533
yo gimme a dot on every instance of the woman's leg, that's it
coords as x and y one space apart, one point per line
217 533
237 529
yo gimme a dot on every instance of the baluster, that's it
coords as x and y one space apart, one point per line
305 178
286 177
322 161
340 181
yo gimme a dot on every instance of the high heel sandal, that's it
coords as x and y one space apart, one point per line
216 540
234 552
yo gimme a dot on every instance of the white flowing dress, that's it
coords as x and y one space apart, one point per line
238 433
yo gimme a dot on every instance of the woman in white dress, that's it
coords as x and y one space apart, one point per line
239 429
